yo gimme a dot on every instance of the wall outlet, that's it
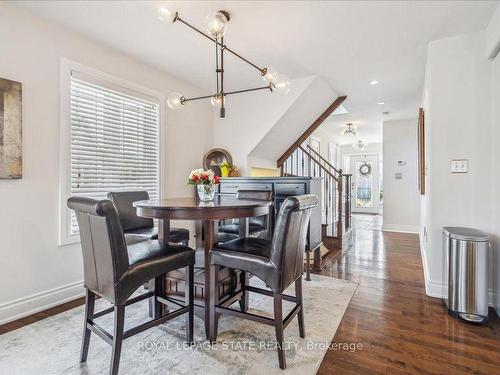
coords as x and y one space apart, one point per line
459 166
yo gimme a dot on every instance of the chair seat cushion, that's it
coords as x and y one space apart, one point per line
250 255
151 233
234 229
252 246
226 237
148 259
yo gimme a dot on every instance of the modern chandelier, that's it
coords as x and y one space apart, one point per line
216 24
349 129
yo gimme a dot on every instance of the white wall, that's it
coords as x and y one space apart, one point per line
457 103
249 117
493 33
35 271
496 181
325 136
401 196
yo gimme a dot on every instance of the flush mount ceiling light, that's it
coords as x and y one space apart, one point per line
373 82
380 103
359 145
349 129
216 26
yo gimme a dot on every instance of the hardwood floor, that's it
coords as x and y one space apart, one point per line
40 315
400 328
402 331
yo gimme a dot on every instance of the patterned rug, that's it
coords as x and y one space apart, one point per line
52 346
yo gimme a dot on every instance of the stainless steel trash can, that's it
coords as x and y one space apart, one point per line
466 252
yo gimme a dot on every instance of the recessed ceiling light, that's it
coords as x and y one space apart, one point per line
373 82
380 103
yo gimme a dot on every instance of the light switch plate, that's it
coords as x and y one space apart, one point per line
398 176
459 166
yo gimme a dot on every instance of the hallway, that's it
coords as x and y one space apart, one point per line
401 329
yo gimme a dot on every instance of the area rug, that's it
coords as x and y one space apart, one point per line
52 346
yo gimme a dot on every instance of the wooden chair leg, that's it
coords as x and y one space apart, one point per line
159 287
151 300
189 300
214 300
278 324
89 315
117 339
298 295
245 297
151 306
308 266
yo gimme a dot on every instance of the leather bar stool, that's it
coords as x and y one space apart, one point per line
255 224
114 270
140 228
278 262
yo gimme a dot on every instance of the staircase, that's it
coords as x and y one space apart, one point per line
302 160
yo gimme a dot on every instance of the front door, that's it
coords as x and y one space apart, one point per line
365 186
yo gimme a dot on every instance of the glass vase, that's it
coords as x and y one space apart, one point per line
206 192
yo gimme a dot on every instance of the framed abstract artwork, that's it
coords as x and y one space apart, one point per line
11 145
421 151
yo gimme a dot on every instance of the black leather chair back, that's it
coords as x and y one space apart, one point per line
290 235
260 195
105 257
128 217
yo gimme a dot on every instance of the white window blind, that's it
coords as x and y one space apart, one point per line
114 142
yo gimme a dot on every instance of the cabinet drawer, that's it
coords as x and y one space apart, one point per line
290 189
229 187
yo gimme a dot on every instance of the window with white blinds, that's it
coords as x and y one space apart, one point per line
114 141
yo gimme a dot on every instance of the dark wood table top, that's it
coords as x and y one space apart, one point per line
222 207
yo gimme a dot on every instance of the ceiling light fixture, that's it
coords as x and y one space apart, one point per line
373 82
380 103
349 129
216 25
359 145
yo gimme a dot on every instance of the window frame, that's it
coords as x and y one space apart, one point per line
66 68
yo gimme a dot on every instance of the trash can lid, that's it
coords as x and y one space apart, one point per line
465 234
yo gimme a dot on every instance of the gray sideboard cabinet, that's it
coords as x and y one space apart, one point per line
281 188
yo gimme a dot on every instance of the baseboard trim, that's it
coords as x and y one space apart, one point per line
432 289
400 228
34 303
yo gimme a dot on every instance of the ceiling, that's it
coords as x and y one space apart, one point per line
346 43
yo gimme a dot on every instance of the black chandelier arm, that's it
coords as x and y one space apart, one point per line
184 100
248 90
224 47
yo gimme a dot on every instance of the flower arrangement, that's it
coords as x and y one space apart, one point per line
203 177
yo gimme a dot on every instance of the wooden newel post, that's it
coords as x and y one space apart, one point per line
340 189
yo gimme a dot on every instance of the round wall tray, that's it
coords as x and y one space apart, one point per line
215 157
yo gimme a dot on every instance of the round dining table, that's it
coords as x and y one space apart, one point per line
222 207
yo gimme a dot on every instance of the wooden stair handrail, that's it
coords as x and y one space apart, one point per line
320 165
323 159
311 129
